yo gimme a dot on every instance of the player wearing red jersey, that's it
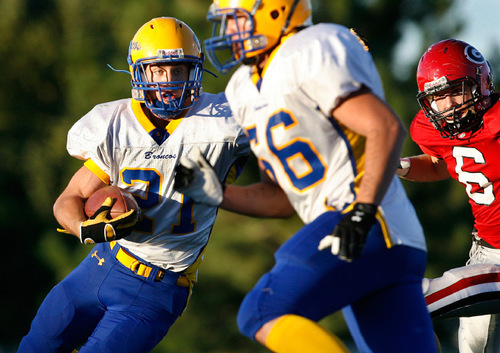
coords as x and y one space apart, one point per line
458 129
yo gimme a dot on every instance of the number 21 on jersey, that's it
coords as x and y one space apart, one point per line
153 180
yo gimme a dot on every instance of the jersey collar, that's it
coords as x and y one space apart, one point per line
256 77
147 124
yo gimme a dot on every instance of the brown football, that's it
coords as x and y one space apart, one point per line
124 201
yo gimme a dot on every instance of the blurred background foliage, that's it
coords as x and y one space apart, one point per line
54 56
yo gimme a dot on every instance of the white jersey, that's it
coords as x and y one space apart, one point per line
287 115
116 138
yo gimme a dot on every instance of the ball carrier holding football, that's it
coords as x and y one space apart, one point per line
136 280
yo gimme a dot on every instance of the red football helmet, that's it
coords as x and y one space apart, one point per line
445 68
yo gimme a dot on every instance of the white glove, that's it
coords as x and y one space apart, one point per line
198 180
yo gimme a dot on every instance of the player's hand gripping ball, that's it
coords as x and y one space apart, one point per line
113 213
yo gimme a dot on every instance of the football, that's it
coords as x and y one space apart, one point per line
124 201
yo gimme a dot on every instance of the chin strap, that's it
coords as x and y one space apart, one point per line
290 14
255 7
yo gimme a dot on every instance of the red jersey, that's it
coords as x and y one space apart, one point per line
473 161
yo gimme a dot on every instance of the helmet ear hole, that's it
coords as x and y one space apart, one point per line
275 14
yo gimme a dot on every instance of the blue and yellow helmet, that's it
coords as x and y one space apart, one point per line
269 20
165 40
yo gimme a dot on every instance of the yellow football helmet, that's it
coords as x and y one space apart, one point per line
269 20
165 40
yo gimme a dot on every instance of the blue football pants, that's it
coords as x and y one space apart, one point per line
106 305
383 289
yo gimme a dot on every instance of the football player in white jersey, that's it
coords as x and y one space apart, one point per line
310 99
136 281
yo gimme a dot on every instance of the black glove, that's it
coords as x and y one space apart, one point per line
349 236
99 228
